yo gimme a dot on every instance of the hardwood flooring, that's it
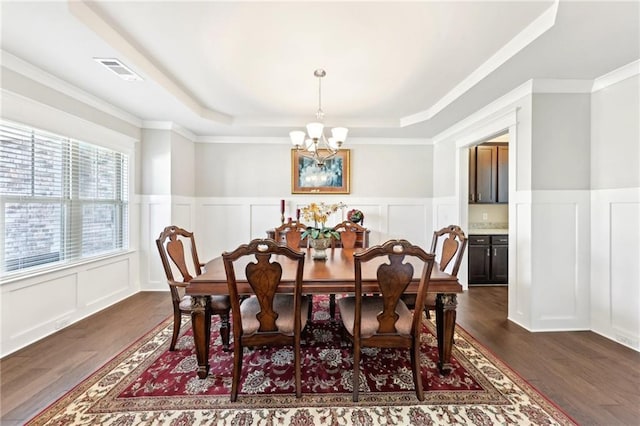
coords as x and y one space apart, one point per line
594 380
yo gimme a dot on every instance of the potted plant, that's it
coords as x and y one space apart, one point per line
319 234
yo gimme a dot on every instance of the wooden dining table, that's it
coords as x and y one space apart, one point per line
335 275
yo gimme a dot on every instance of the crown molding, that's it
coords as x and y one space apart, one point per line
286 141
616 76
561 86
171 126
534 30
540 86
14 63
482 115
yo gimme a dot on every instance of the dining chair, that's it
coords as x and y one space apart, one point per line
171 245
348 234
266 317
448 244
348 239
382 319
291 233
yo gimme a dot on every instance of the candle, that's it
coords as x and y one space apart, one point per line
281 206
297 214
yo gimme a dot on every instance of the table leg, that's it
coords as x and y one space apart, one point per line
445 326
201 323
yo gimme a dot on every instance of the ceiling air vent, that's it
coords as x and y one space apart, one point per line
119 68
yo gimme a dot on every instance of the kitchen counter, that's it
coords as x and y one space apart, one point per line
488 231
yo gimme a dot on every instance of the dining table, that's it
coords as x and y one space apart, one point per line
335 275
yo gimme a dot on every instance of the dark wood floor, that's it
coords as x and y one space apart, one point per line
593 379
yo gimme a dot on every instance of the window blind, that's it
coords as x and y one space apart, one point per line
61 200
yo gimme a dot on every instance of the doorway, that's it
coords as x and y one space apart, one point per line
488 212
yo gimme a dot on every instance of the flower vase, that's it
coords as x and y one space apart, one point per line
319 246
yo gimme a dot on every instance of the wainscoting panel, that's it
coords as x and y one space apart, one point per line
409 221
625 268
36 306
555 231
37 298
158 216
225 223
560 261
447 212
102 283
520 275
267 216
181 215
615 270
221 227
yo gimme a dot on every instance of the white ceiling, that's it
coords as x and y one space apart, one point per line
394 69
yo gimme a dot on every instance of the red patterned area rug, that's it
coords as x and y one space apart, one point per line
147 384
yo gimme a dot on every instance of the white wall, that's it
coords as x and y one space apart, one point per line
561 141
380 168
615 212
574 215
35 306
238 189
560 215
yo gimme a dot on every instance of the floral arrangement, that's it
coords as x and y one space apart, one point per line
355 216
319 213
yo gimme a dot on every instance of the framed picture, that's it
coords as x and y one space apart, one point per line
308 178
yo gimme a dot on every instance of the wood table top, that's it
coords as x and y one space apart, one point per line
330 276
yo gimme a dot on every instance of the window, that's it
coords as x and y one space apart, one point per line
61 200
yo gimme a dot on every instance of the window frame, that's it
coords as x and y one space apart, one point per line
71 224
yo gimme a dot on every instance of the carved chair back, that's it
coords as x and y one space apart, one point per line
291 232
449 244
349 234
179 258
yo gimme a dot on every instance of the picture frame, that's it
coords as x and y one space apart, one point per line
334 178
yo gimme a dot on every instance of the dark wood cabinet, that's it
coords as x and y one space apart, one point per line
488 174
502 191
479 263
488 259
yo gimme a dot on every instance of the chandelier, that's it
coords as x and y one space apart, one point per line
316 146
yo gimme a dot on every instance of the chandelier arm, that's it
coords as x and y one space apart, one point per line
327 145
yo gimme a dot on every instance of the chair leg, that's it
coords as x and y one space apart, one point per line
356 371
298 372
332 305
225 330
426 312
237 367
310 310
177 321
415 365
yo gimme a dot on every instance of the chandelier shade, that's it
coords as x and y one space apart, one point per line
313 144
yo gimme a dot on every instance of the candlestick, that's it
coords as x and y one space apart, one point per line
298 215
282 211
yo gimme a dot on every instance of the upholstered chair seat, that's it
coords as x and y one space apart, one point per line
371 307
283 304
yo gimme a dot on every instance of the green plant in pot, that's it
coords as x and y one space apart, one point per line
320 235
